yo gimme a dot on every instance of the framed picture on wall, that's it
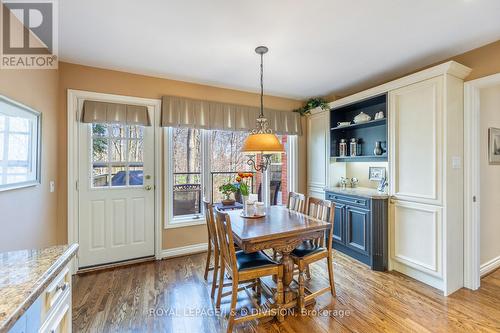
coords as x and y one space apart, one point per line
494 145
376 173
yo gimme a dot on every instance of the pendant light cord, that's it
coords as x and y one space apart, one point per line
261 85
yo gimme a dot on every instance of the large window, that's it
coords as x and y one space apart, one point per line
19 145
117 155
199 161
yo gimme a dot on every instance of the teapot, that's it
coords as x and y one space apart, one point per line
362 118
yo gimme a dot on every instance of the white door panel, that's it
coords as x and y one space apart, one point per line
415 115
116 194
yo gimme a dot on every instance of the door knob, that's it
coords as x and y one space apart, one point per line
148 187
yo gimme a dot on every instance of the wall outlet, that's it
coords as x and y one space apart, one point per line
456 162
52 185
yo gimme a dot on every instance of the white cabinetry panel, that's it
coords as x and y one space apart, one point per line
317 153
415 114
416 230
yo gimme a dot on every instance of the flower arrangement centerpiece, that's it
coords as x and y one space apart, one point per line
242 183
227 189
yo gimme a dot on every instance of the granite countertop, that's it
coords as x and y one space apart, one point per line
24 275
359 191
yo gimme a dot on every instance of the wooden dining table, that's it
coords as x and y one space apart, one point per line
280 229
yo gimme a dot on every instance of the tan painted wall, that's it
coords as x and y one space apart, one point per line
28 216
490 177
106 81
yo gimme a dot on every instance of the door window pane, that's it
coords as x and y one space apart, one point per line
187 189
117 155
278 176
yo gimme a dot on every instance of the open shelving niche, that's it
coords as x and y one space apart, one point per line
367 132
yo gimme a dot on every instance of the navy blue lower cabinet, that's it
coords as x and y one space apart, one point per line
360 228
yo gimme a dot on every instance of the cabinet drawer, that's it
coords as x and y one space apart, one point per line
59 320
349 200
56 291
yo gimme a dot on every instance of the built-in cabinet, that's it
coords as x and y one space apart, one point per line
317 152
425 173
360 227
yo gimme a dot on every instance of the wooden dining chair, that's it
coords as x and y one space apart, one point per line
296 202
213 244
243 267
315 250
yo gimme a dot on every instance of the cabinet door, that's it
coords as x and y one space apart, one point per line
415 233
317 153
339 224
357 229
415 131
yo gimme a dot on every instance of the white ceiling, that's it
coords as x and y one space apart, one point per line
316 47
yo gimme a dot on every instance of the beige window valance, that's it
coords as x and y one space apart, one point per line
185 112
103 112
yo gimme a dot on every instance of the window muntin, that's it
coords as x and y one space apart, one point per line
19 145
117 155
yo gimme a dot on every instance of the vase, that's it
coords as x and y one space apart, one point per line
228 201
378 149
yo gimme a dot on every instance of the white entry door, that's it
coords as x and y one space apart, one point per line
116 193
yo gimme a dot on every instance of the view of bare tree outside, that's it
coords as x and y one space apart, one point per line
227 159
117 155
187 185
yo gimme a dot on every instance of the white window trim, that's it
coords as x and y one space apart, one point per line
35 137
189 220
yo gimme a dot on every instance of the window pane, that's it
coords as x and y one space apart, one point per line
278 176
135 150
2 123
100 176
136 132
187 166
227 161
19 124
118 130
118 150
18 147
118 175
136 175
100 150
99 130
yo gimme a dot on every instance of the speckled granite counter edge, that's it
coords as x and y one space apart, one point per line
358 191
39 287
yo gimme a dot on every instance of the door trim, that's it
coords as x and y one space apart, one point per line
472 217
73 166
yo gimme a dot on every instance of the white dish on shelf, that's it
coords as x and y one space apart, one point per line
343 124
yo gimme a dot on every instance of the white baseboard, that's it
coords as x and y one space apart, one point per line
183 250
489 266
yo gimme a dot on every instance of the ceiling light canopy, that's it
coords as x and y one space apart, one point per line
262 140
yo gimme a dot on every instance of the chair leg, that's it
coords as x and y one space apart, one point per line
209 253
232 310
216 269
330 275
221 285
258 290
301 300
308 273
275 255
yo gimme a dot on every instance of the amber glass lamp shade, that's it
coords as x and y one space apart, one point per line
262 143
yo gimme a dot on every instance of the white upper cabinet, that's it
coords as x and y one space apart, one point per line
317 153
415 137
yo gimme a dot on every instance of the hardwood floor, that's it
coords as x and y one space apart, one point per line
164 296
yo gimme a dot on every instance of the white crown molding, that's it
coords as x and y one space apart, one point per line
451 67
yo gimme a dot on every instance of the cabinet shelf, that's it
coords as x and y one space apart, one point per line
371 123
364 158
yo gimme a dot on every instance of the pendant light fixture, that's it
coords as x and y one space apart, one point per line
261 140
